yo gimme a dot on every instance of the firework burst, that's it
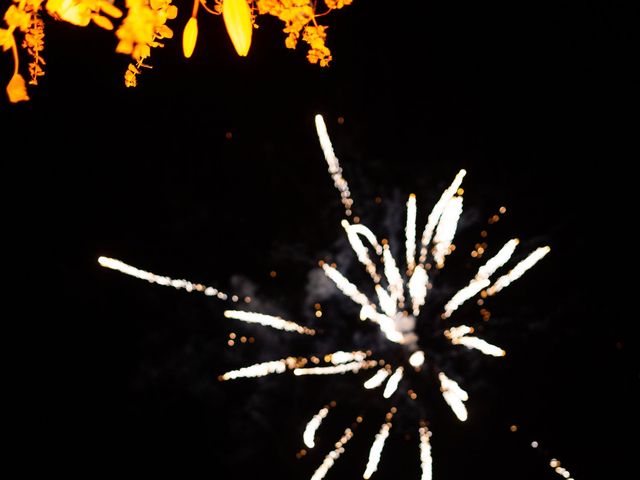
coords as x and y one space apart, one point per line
398 294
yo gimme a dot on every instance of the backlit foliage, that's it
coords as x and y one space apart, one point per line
140 25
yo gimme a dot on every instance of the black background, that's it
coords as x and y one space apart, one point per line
112 375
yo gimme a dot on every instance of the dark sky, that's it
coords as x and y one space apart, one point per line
116 376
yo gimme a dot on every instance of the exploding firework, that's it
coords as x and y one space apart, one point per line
395 302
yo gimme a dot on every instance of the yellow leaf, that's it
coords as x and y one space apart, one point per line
164 32
17 89
103 22
110 9
172 12
6 39
237 19
189 37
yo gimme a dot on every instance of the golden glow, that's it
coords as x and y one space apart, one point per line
145 25
237 19
189 37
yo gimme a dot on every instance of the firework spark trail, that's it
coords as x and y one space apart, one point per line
354 367
426 461
393 382
310 430
115 264
261 369
418 288
376 450
446 230
334 166
559 469
331 458
454 396
434 216
517 271
362 252
481 345
377 379
343 357
410 233
391 271
268 321
481 280
345 286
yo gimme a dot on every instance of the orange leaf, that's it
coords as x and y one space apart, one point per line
17 89
189 37
237 19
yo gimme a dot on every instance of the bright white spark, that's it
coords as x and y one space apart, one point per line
268 321
410 233
446 230
387 302
417 359
331 458
362 252
334 165
391 271
122 267
454 396
457 332
426 461
481 280
434 216
377 379
517 271
418 288
313 425
479 344
344 368
387 325
392 384
345 286
344 357
261 369
376 451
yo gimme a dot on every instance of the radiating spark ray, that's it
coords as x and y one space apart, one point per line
262 369
336 369
454 396
479 344
446 230
410 234
434 216
393 382
376 450
334 165
377 379
268 321
481 280
362 252
426 461
345 286
392 273
122 267
517 271
310 430
343 357
331 458
386 301
418 288
387 325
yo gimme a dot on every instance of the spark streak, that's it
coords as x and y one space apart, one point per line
115 264
410 233
479 344
313 425
268 321
392 384
377 379
344 368
426 461
334 165
454 396
446 230
517 271
331 458
261 369
376 450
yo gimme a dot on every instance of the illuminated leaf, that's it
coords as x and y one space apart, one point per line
237 19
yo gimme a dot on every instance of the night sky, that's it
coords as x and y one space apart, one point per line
211 170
